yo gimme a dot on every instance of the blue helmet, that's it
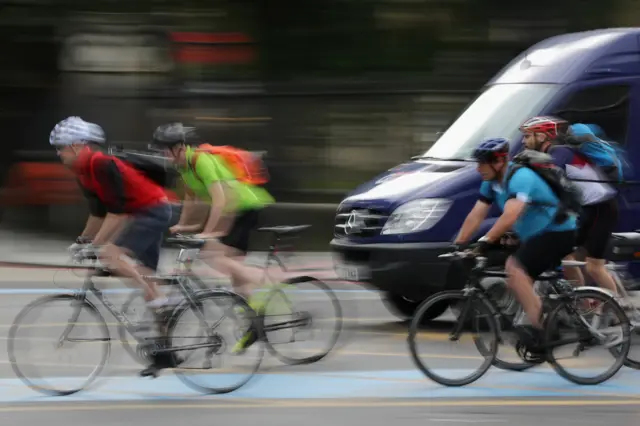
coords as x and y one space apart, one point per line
490 149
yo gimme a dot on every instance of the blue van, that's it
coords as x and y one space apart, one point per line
389 231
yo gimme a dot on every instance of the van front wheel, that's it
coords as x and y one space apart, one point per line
404 308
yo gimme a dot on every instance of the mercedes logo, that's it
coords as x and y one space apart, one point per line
355 223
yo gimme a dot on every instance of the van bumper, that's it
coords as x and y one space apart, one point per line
412 270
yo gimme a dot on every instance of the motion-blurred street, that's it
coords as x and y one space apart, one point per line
369 378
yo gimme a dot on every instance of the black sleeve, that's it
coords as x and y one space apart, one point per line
96 207
108 175
485 199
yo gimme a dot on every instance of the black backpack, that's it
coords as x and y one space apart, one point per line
153 167
568 193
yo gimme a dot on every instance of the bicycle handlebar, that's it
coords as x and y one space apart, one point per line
186 241
463 255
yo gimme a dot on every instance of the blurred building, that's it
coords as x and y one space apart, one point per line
335 90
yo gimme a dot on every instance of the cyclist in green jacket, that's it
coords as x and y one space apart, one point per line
213 182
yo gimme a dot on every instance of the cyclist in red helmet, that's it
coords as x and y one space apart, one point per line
600 208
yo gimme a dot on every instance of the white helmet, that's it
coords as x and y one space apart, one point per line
75 130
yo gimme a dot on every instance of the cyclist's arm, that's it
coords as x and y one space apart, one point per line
477 215
108 174
92 227
97 213
520 189
218 188
187 208
561 156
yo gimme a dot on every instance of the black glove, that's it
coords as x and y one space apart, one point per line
483 246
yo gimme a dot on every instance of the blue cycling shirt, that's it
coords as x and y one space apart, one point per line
527 186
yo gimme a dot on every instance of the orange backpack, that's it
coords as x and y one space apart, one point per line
245 166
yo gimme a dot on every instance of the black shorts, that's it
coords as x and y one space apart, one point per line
240 231
545 252
595 226
144 233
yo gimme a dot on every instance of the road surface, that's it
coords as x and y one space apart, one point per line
369 379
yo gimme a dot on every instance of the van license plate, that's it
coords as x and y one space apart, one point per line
352 273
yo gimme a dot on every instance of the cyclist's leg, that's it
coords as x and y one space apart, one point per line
244 278
604 223
141 240
574 273
227 254
535 256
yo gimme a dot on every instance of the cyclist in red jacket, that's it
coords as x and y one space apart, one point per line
138 211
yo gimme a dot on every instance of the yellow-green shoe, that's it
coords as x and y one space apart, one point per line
257 301
245 342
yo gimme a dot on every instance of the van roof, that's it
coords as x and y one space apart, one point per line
576 56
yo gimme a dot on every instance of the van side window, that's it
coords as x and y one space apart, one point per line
607 106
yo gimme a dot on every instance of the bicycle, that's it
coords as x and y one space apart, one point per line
194 299
560 298
624 247
294 321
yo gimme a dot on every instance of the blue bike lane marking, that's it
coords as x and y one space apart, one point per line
389 384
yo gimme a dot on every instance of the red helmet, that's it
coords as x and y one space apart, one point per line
550 126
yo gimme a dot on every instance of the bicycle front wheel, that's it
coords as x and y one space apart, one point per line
202 330
474 314
69 327
303 311
595 325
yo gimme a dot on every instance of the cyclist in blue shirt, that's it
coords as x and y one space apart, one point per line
530 208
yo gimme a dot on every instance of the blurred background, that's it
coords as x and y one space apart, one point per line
335 91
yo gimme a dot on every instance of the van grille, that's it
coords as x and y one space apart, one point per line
360 223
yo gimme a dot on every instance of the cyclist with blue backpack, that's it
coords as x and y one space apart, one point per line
531 209
572 149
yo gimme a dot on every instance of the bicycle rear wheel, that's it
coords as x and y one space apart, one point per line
74 318
590 312
211 340
474 313
285 322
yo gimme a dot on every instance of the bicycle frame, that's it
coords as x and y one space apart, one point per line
89 287
474 290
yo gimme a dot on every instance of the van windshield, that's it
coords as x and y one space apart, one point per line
497 112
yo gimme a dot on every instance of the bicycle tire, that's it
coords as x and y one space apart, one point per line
620 354
620 282
498 362
42 301
417 320
237 301
335 335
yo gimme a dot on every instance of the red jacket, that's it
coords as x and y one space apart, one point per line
122 188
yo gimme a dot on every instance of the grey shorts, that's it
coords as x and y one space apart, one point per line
144 234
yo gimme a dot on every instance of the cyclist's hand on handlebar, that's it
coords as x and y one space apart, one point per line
182 229
483 245
89 252
209 235
79 244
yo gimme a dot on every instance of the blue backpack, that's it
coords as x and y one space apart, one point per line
608 156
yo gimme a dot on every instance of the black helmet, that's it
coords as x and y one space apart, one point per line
168 135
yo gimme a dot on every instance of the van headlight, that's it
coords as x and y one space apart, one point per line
416 215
